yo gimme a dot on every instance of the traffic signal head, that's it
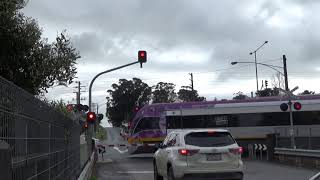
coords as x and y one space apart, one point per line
284 107
100 117
91 117
297 106
266 82
142 57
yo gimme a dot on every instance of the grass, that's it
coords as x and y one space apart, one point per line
101 133
93 178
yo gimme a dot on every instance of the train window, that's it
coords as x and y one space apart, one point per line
147 123
193 122
173 122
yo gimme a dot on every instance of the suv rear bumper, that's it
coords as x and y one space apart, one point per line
182 170
220 176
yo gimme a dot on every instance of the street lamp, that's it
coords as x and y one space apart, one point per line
255 61
287 90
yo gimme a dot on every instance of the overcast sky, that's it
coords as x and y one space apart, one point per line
184 36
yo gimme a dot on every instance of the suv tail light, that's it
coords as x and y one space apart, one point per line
238 150
188 152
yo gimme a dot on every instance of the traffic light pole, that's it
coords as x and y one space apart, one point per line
292 136
104 72
90 128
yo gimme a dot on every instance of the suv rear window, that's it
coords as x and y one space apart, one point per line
209 139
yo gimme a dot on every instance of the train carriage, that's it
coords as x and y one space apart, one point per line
250 121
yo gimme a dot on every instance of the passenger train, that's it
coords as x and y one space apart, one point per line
249 121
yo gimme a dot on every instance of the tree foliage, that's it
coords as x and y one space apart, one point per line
239 96
28 60
124 97
268 92
164 93
307 92
185 94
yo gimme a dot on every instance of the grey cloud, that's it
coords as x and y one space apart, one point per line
160 26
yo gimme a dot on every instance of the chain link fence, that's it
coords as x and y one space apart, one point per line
36 142
305 137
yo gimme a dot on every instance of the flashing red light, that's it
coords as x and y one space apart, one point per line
297 106
91 117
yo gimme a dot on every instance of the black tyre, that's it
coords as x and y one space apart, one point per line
155 172
170 174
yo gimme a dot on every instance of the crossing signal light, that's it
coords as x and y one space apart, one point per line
284 107
297 106
85 125
136 109
70 107
91 117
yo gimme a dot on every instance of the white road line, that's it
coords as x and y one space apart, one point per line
134 172
121 152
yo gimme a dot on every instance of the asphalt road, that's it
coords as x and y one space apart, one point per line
118 165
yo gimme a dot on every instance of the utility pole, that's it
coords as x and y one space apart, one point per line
78 92
285 70
191 79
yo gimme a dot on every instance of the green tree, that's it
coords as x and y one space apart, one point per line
307 92
239 96
28 60
124 96
164 93
268 92
187 95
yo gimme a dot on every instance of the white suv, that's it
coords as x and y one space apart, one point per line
197 154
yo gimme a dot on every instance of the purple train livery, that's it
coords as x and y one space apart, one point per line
250 121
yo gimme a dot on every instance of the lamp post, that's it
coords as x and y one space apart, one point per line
287 90
255 61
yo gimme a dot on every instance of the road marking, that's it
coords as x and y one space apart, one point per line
121 152
134 172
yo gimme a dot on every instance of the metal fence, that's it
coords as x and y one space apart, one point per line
305 137
36 142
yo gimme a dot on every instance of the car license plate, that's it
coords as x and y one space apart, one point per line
214 157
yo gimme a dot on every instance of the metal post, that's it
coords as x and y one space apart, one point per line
78 94
255 62
49 169
292 137
91 128
104 72
285 72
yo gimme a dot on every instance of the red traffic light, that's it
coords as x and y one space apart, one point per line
91 117
142 56
297 106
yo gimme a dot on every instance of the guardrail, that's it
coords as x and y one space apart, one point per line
298 157
297 152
